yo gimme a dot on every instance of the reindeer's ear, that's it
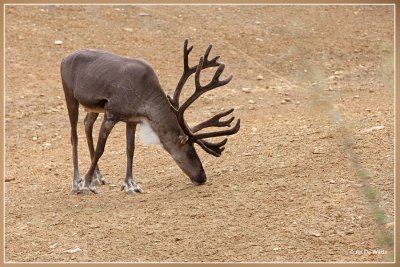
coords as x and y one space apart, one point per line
183 139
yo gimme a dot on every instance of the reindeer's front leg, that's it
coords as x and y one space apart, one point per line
129 185
107 125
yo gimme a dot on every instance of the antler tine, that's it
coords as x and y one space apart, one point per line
230 131
210 63
214 149
187 71
186 52
215 82
214 121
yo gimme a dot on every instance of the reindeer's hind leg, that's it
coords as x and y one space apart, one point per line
107 125
89 122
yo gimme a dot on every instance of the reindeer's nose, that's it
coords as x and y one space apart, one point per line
200 179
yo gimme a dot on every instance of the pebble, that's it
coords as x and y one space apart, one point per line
73 250
144 14
260 77
128 29
374 128
316 234
349 232
54 245
332 182
246 90
251 101
276 249
318 150
58 42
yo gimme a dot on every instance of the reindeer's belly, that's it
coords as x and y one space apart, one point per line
94 109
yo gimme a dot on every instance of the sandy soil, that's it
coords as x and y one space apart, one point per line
313 87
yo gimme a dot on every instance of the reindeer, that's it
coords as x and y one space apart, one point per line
128 90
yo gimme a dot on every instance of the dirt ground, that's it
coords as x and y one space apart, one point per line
308 178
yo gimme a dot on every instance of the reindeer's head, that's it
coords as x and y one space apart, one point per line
187 159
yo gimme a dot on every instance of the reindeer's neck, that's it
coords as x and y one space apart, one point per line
160 125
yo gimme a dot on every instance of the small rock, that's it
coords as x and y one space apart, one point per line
128 29
73 250
317 234
251 101
246 154
374 128
332 182
260 77
350 232
144 14
246 90
58 42
54 245
34 138
276 249
259 40
356 97
318 150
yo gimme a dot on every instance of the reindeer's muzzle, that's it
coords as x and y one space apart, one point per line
200 179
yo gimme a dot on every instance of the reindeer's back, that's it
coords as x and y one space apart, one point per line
95 76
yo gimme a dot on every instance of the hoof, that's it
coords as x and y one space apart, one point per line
131 190
100 181
88 190
74 191
138 189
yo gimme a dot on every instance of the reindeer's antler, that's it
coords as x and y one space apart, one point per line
212 148
188 71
